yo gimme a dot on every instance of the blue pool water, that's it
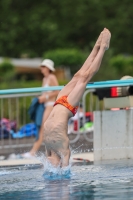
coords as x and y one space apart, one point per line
111 180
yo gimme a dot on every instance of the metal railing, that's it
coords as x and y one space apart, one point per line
14 104
14 107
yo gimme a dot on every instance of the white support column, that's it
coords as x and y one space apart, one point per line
113 134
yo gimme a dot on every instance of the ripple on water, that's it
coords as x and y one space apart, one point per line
100 179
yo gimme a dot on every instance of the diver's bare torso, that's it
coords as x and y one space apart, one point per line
55 131
55 128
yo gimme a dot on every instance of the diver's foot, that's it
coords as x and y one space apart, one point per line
106 35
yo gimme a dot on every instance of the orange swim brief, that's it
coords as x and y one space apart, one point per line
63 101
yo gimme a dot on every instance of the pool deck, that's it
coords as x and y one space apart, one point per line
74 158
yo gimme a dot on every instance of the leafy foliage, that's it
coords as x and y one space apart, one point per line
66 57
34 27
7 71
123 64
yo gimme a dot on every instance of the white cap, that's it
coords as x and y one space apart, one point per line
126 77
49 64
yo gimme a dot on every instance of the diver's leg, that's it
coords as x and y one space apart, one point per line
76 94
69 87
65 158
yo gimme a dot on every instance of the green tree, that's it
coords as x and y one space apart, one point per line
72 58
34 27
7 71
123 64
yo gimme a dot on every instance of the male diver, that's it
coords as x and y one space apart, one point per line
56 126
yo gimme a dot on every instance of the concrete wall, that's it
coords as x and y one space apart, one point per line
113 134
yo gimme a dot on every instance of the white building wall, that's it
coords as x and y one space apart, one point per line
113 134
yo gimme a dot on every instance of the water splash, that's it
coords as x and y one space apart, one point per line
54 172
73 151
5 173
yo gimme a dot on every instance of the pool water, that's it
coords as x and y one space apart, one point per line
111 180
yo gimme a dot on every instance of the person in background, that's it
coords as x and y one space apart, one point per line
48 98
